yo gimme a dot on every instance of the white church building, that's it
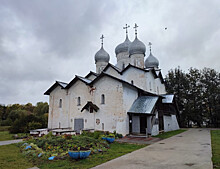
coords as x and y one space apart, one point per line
129 97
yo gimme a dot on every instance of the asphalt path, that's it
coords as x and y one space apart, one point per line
188 150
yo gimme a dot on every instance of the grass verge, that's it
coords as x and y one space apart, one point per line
215 136
5 135
11 158
170 133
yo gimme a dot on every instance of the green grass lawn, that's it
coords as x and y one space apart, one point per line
5 135
170 133
215 135
10 158
116 150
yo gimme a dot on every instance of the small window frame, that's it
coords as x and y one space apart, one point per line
60 103
79 101
102 99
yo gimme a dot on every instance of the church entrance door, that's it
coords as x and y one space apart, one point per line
78 125
143 124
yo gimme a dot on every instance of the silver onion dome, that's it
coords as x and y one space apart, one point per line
137 47
102 56
151 62
123 47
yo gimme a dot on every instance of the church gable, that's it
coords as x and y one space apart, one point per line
112 70
59 84
135 76
91 75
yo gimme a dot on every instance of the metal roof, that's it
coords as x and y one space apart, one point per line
137 47
144 104
123 47
85 79
168 98
151 61
102 56
62 84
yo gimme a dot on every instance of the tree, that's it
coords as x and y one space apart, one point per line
198 95
41 108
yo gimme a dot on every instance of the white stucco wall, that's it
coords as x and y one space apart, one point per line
138 77
79 89
112 72
155 128
100 66
137 60
111 113
130 94
175 125
122 58
170 123
58 116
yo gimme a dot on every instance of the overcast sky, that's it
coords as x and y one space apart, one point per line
46 40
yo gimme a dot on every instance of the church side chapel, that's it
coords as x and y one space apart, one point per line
129 97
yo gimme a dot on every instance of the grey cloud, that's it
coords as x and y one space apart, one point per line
46 40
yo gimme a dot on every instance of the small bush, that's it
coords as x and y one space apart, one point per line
97 134
34 125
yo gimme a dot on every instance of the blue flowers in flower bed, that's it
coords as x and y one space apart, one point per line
27 147
51 158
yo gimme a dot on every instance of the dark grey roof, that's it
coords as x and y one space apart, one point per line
168 98
57 83
151 62
123 47
137 47
102 56
144 104
62 84
85 79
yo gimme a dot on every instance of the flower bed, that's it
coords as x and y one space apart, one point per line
60 147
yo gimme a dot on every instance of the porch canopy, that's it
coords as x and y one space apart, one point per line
168 98
89 105
143 105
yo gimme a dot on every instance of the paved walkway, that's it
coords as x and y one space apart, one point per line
10 142
188 150
138 140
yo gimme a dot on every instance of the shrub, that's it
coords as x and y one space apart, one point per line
97 134
34 125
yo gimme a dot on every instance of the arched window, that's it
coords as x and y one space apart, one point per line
78 101
60 103
158 90
150 85
102 99
132 82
